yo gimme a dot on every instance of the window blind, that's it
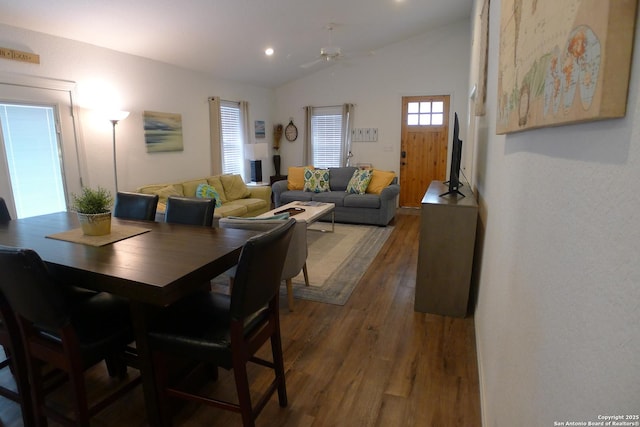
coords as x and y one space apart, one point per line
232 154
326 134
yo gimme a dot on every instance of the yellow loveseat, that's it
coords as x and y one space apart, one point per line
236 197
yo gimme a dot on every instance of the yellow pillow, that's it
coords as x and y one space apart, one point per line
164 192
234 187
217 184
295 177
379 180
189 187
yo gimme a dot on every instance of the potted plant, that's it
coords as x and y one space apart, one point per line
94 210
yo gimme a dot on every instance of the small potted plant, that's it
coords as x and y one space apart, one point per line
94 210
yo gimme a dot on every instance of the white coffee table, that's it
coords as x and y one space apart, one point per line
312 212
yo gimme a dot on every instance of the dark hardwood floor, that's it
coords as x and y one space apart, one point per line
371 362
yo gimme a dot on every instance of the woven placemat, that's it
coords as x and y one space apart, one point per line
118 232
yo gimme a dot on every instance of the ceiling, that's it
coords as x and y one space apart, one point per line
227 38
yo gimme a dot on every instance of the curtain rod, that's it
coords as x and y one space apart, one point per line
328 106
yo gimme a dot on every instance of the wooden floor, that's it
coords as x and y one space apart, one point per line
371 362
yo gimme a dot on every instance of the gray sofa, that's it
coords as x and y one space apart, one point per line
375 209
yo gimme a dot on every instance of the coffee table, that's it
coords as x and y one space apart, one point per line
308 212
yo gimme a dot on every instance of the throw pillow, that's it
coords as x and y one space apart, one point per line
167 191
380 180
359 182
234 187
189 187
217 184
206 191
316 180
295 179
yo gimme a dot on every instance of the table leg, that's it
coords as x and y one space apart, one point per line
140 314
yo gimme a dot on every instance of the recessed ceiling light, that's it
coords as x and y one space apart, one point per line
268 51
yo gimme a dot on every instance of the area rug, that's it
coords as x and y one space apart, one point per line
336 262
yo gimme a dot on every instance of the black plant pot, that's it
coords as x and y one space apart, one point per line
276 163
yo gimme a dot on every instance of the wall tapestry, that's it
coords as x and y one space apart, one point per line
162 131
563 61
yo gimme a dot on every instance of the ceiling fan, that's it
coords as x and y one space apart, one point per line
327 53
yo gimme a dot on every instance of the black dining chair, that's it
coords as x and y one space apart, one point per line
227 330
4 211
135 206
190 210
15 361
65 328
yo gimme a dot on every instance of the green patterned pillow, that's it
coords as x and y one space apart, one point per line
316 180
206 191
359 182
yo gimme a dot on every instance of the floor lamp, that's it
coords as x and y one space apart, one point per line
115 117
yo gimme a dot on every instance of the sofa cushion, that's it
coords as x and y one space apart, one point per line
380 180
230 209
369 201
295 179
206 191
189 187
169 190
359 182
217 184
339 177
336 197
250 204
234 187
316 180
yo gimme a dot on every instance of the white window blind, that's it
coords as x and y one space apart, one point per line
326 136
33 158
232 154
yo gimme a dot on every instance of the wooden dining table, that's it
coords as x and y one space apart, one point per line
152 269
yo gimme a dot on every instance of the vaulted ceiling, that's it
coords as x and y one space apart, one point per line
227 38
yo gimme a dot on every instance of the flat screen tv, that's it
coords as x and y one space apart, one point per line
456 157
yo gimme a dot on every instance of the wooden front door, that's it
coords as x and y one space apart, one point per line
424 142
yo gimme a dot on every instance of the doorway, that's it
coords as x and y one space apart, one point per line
39 155
424 145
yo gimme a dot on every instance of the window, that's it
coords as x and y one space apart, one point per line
327 143
425 113
33 158
232 153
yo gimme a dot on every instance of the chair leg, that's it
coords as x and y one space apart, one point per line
290 293
244 396
306 274
278 362
116 366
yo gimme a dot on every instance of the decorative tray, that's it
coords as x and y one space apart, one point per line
290 211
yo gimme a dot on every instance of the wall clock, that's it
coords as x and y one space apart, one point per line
291 132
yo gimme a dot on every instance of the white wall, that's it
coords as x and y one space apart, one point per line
136 85
558 306
435 63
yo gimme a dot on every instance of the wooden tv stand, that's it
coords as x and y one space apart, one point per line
445 255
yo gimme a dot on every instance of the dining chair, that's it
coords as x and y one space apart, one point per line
135 206
67 329
4 211
296 255
227 330
190 210
15 361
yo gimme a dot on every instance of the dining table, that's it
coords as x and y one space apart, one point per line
156 266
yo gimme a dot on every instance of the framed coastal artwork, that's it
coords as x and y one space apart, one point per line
563 61
162 131
260 129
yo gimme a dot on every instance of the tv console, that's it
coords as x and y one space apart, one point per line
445 254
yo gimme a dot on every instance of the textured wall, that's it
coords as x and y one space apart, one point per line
559 292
